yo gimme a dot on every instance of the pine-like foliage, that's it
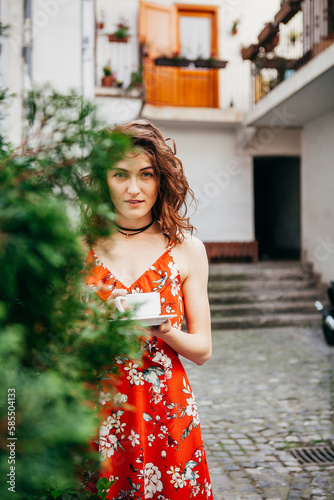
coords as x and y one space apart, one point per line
55 338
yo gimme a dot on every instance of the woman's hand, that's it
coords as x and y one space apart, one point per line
161 330
195 344
118 292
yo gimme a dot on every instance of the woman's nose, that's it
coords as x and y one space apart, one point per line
133 186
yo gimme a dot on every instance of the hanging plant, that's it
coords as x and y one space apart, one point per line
293 37
235 26
100 24
121 34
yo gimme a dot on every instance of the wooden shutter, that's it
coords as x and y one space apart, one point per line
157 29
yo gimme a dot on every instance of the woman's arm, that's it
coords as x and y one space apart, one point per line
196 344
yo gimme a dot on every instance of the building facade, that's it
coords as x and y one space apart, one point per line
245 88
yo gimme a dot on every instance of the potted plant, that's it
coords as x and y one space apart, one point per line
250 52
179 60
163 60
121 34
293 37
288 9
136 86
100 24
235 26
271 43
176 59
108 78
268 32
210 62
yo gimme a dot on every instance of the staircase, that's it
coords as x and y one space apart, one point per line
261 295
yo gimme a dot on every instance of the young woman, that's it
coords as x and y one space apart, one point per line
150 438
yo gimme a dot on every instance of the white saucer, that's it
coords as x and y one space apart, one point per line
155 320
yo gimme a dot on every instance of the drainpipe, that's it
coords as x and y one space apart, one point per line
87 47
3 59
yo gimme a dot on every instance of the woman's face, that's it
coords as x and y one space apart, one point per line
133 187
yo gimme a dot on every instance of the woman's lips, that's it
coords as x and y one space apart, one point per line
135 203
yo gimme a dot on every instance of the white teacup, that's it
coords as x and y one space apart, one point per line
145 305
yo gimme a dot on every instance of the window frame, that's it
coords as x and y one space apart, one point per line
198 11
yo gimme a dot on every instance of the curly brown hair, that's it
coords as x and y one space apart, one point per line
171 207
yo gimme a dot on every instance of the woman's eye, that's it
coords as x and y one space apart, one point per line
147 174
119 175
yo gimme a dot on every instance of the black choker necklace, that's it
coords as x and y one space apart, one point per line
132 232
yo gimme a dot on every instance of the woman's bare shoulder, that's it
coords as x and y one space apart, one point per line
191 252
191 258
193 245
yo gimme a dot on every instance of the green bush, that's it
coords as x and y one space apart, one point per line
55 338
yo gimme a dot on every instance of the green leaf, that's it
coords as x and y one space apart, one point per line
102 484
56 493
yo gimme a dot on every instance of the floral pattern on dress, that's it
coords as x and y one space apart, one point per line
149 439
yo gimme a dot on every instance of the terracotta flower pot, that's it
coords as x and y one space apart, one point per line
271 43
107 80
268 32
113 38
250 53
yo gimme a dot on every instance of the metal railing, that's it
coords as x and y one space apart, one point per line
232 90
301 38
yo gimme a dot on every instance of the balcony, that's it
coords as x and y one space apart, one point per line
301 30
170 91
142 83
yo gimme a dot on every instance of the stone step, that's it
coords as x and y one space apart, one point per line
263 265
266 321
260 271
260 308
256 284
259 295
266 294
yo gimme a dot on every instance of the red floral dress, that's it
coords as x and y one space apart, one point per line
150 439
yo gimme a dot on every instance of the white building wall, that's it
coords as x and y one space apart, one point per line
57 43
88 48
318 194
12 70
220 178
272 141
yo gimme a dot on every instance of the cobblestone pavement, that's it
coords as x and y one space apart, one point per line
262 393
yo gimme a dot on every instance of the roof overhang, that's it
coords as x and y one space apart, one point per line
230 117
299 99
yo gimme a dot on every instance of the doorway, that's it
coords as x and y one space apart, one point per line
277 206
